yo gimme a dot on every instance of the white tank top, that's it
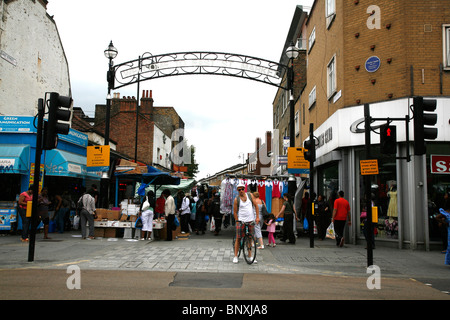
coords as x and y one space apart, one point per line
245 213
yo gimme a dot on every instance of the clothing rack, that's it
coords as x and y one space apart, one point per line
247 176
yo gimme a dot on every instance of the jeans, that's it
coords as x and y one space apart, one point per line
25 222
86 216
61 219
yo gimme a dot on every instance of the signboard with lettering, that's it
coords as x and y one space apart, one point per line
440 164
296 161
369 167
97 156
372 64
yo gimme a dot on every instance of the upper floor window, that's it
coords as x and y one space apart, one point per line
446 45
312 97
330 11
331 77
312 38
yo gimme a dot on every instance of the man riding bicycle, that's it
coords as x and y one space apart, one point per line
243 213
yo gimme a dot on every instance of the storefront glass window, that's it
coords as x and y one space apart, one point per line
328 180
438 187
384 196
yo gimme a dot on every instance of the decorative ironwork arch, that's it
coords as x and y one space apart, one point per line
148 67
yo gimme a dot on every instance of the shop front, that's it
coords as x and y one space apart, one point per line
406 194
64 168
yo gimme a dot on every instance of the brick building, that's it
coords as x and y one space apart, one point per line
156 127
381 53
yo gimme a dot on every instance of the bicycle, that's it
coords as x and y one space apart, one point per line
247 245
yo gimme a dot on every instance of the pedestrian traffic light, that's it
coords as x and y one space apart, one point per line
310 154
422 119
388 139
58 110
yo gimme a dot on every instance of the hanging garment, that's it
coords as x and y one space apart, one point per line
269 195
276 193
285 187
262 190
253 185
226 193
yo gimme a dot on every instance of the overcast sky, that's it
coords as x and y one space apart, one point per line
223 115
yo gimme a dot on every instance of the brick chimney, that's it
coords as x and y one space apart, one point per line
147 102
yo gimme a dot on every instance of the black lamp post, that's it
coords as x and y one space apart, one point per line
110 53
292 53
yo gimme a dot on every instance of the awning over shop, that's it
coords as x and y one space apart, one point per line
66 164
14 158
153 177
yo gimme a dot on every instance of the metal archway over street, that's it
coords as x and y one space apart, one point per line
148 67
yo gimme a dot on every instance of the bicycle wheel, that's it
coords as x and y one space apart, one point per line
249 247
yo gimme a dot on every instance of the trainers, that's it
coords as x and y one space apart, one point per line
235 260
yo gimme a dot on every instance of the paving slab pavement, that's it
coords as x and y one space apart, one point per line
213 254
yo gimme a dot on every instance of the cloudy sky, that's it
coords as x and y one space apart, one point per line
223 115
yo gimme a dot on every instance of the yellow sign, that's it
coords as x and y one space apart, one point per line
97 156
369 167
374 214
296 158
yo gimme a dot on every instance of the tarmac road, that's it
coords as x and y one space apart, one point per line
200 268
51 284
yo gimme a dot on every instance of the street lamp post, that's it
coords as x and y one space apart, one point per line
110 53
292 53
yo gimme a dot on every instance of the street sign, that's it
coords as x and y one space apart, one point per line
97 156
296 161
369 167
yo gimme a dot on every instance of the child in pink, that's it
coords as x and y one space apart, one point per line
271 229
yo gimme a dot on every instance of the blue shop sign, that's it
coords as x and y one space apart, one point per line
25 124
17 124
373 64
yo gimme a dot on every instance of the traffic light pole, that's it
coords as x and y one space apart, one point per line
368 225
37 172
311 189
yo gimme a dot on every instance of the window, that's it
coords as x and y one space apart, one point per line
312 97
284 101
331 77
446 45
301 43
330 11
312 38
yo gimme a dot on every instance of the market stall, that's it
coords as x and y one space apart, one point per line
122 219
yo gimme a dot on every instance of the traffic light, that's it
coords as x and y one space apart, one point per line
310 155
58 110
422 119
388 139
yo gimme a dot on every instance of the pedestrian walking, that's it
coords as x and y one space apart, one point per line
87 213
169 212
444 216
201 210
322 217
243 213
288 225
62 209
258 226
185 212
341 213
25 199
271 226
43 204
146 212
214 211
